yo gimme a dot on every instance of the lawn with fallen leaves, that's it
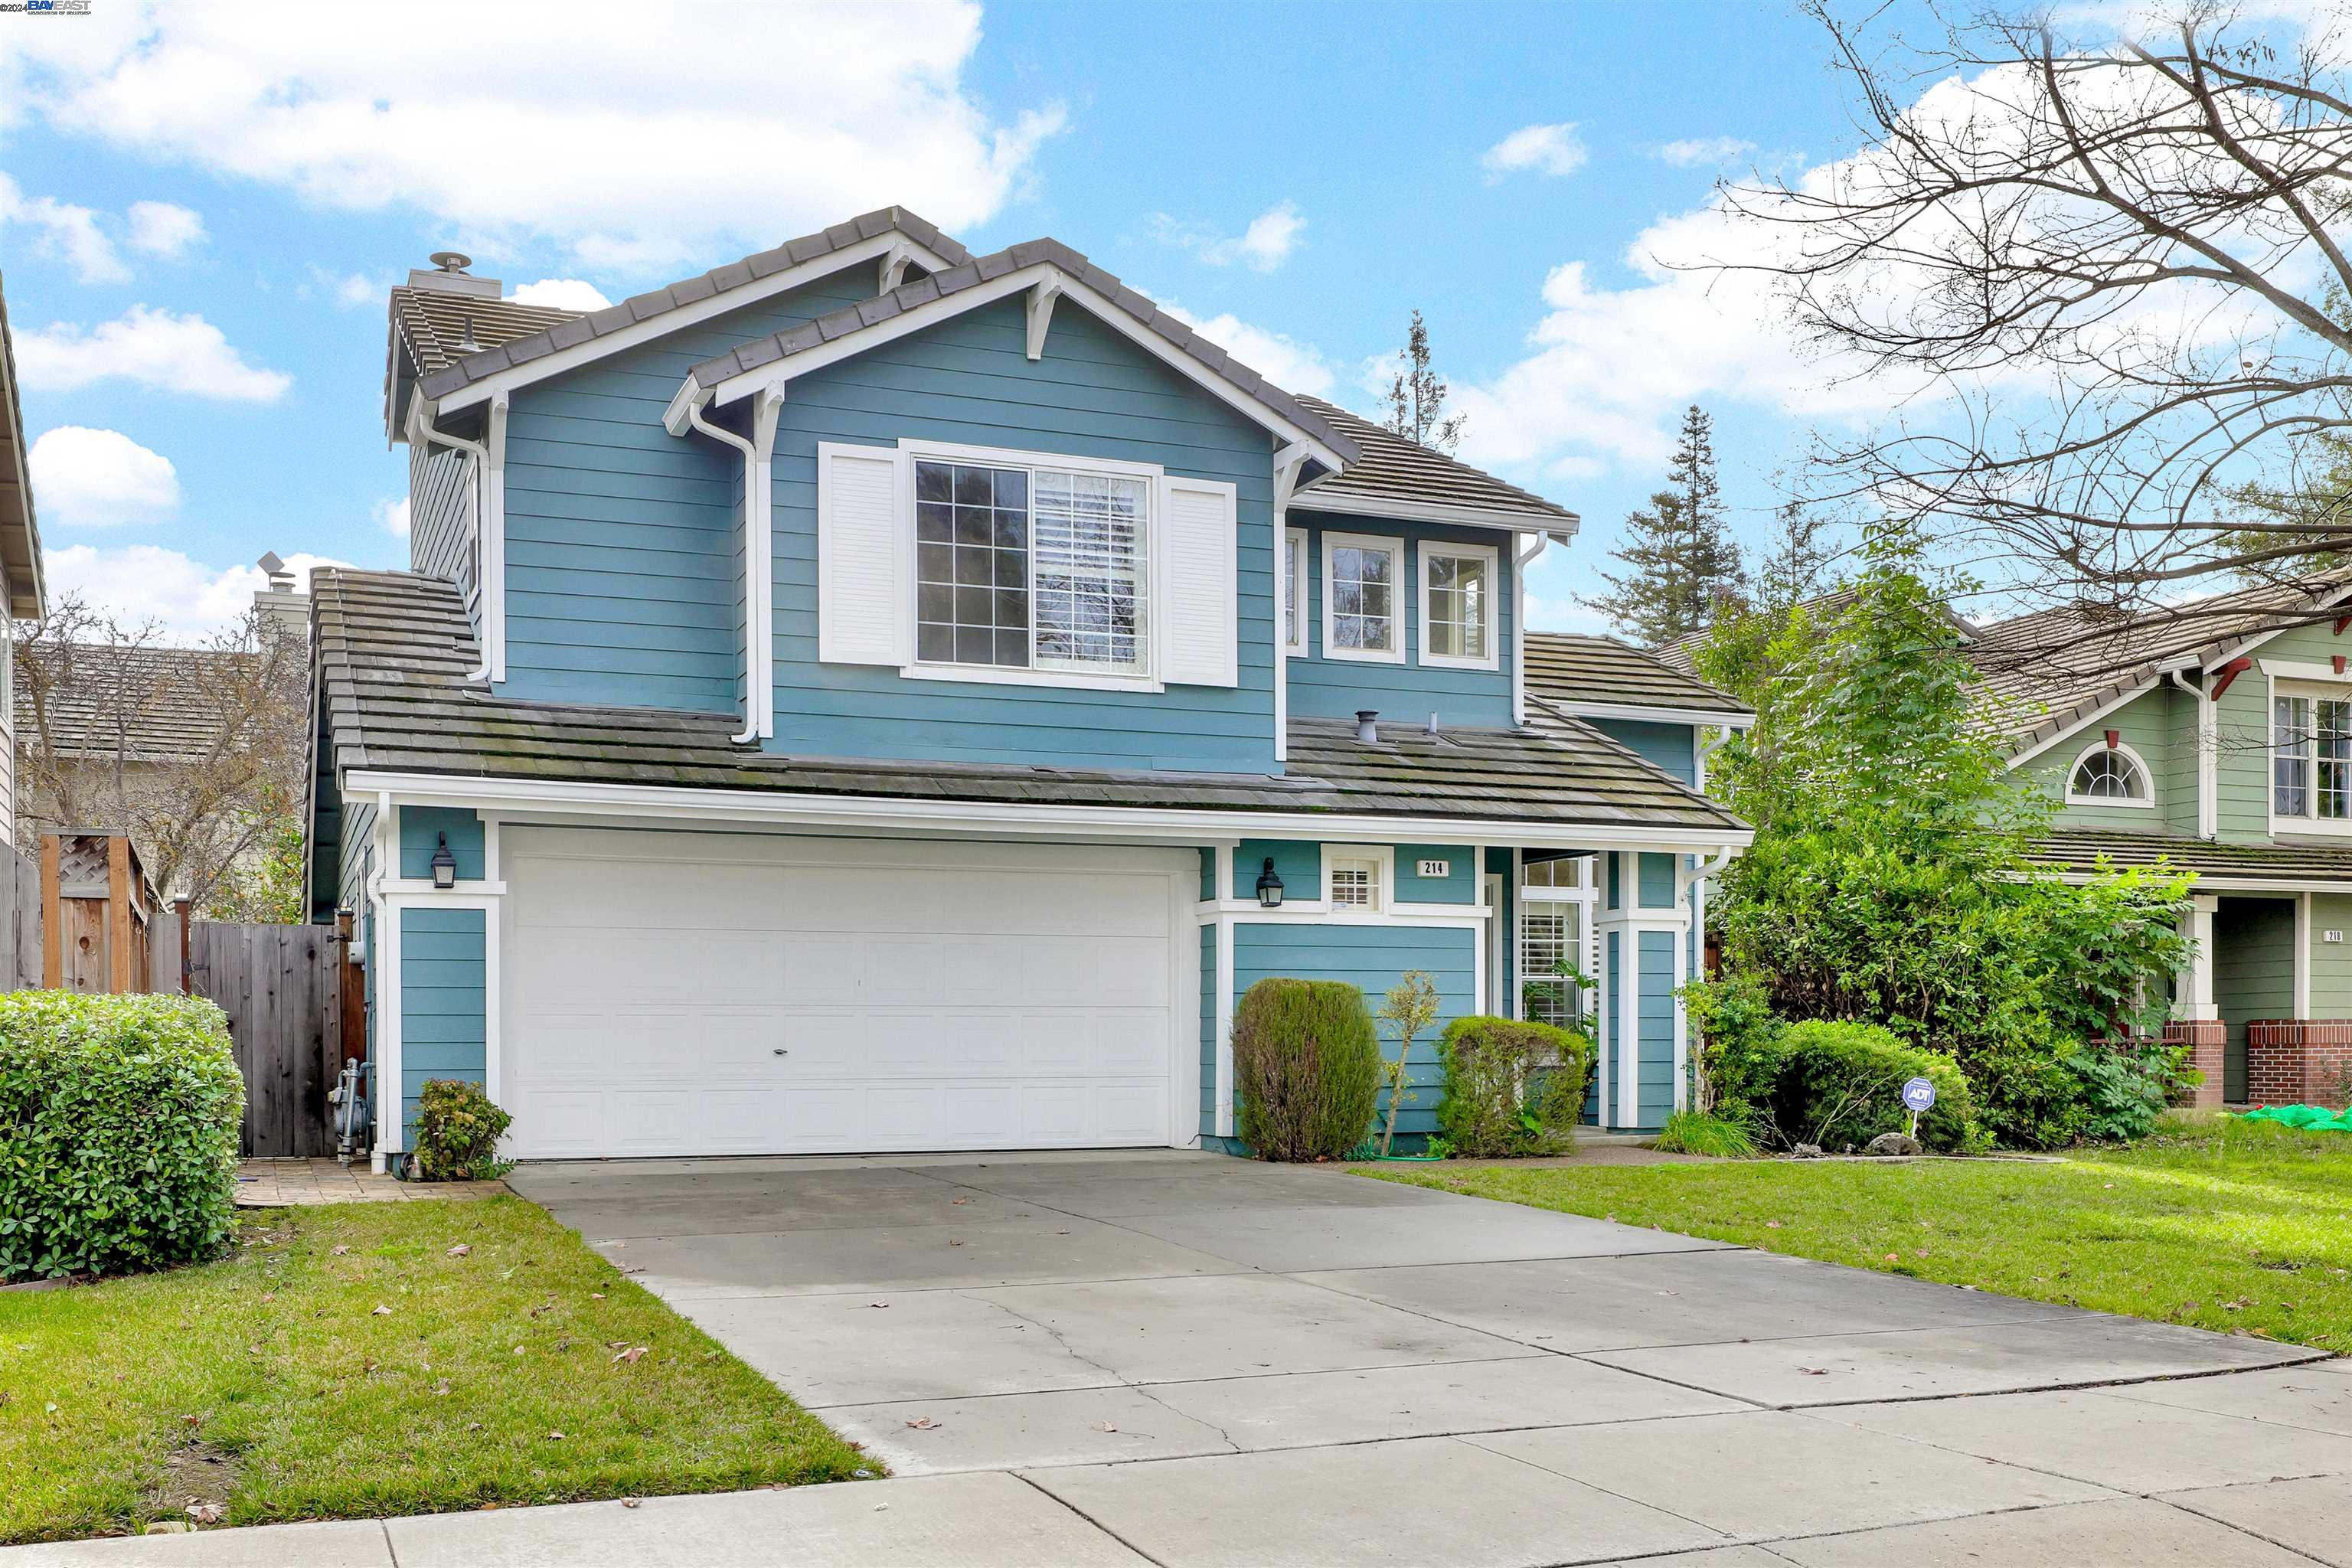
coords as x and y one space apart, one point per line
375 1359
2227 1224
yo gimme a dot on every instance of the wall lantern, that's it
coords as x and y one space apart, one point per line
444 865
1269 887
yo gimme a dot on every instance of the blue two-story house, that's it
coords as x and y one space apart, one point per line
875 698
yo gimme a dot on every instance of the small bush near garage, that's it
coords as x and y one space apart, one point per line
121 1116
1307 1068
1512 1087
457 1131
1841 1085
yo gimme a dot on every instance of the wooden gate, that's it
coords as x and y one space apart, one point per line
282 988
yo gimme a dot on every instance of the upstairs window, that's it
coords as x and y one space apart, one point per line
1022 568
2311 757
2109 775
1360 615
1457 607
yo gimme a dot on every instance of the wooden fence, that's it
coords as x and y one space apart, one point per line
283 988
20 922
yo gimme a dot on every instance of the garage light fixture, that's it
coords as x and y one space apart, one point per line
1269 887
444 865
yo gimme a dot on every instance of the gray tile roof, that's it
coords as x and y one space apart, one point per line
2081 849
434 324
1569 668
576 328
20 535
156 704
395 649
1390 469
778 346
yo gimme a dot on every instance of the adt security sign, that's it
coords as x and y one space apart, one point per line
1919 1095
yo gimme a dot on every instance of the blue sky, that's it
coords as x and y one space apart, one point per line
200 210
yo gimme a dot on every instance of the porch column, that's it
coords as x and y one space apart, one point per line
2197 1020
1644 930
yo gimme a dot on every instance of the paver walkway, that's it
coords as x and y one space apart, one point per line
1189 1359
302 1183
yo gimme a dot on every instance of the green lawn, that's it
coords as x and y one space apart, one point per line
2228 1226
277 1384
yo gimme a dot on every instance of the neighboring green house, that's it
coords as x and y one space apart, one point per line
2216 736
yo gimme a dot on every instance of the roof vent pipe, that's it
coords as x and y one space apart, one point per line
1432 723
1367 728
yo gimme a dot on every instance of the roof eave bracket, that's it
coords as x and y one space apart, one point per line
1042 295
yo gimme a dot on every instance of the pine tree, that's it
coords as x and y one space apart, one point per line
1416 396
1795 569
1682 566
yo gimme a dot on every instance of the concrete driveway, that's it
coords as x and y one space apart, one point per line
1209 1362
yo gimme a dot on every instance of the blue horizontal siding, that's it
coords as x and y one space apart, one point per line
1209 1022
421 830
1459 886
1655 1009
1656 890
444 1004
1372 958
1408 693
1666 747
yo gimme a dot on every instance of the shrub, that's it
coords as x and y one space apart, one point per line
120 1145
458 1131
1511 1087
1842 1083
2125 1089
1739 1047
1697 1133
1307 1068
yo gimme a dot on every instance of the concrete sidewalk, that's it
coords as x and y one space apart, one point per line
1203 1363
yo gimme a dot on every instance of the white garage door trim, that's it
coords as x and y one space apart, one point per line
1055 949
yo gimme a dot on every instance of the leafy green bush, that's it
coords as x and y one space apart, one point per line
1512 1087
1841 1084
121 1117
1739 1047
2124 1089
1307 1068
1697 1133
458 1131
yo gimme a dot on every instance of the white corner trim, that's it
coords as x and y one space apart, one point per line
2147 802
1295 559
1331 544
1426 554
948 307
680 317
1522 558
2302 955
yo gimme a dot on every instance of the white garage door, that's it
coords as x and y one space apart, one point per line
703 993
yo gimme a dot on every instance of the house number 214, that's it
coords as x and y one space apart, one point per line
1440 868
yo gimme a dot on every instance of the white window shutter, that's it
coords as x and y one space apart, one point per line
1197 619
863 615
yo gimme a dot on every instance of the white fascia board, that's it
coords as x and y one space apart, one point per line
1562 529
948 306
2241 649
679 317
2130 696
1695 717
2209 881
792 809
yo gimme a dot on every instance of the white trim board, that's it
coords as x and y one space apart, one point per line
1310 499
1695 717
852 814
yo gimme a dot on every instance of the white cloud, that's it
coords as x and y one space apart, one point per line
94 479
164 228
64 232
392 516
146 581
1289 363
152 348
351 290
1264 245
1699 150
1553 149
562 294
637 137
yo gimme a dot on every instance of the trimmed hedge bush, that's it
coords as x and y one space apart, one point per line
118 1119
1512 1087
1840 1083
1307 1068
458 1131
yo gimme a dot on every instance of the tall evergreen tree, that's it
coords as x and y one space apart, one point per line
1416 398
1797 566
1682 566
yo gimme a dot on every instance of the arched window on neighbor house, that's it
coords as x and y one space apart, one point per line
2109 773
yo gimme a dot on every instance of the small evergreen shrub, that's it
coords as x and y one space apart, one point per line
1307 1068
1842 1083
119 1121
1512 1087
1739 1047
458 1131
1698 1133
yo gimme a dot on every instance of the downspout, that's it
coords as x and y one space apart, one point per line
2208 762
420 421
759 543
1520 561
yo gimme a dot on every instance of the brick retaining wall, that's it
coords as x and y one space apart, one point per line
2206 1039
2298 1061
